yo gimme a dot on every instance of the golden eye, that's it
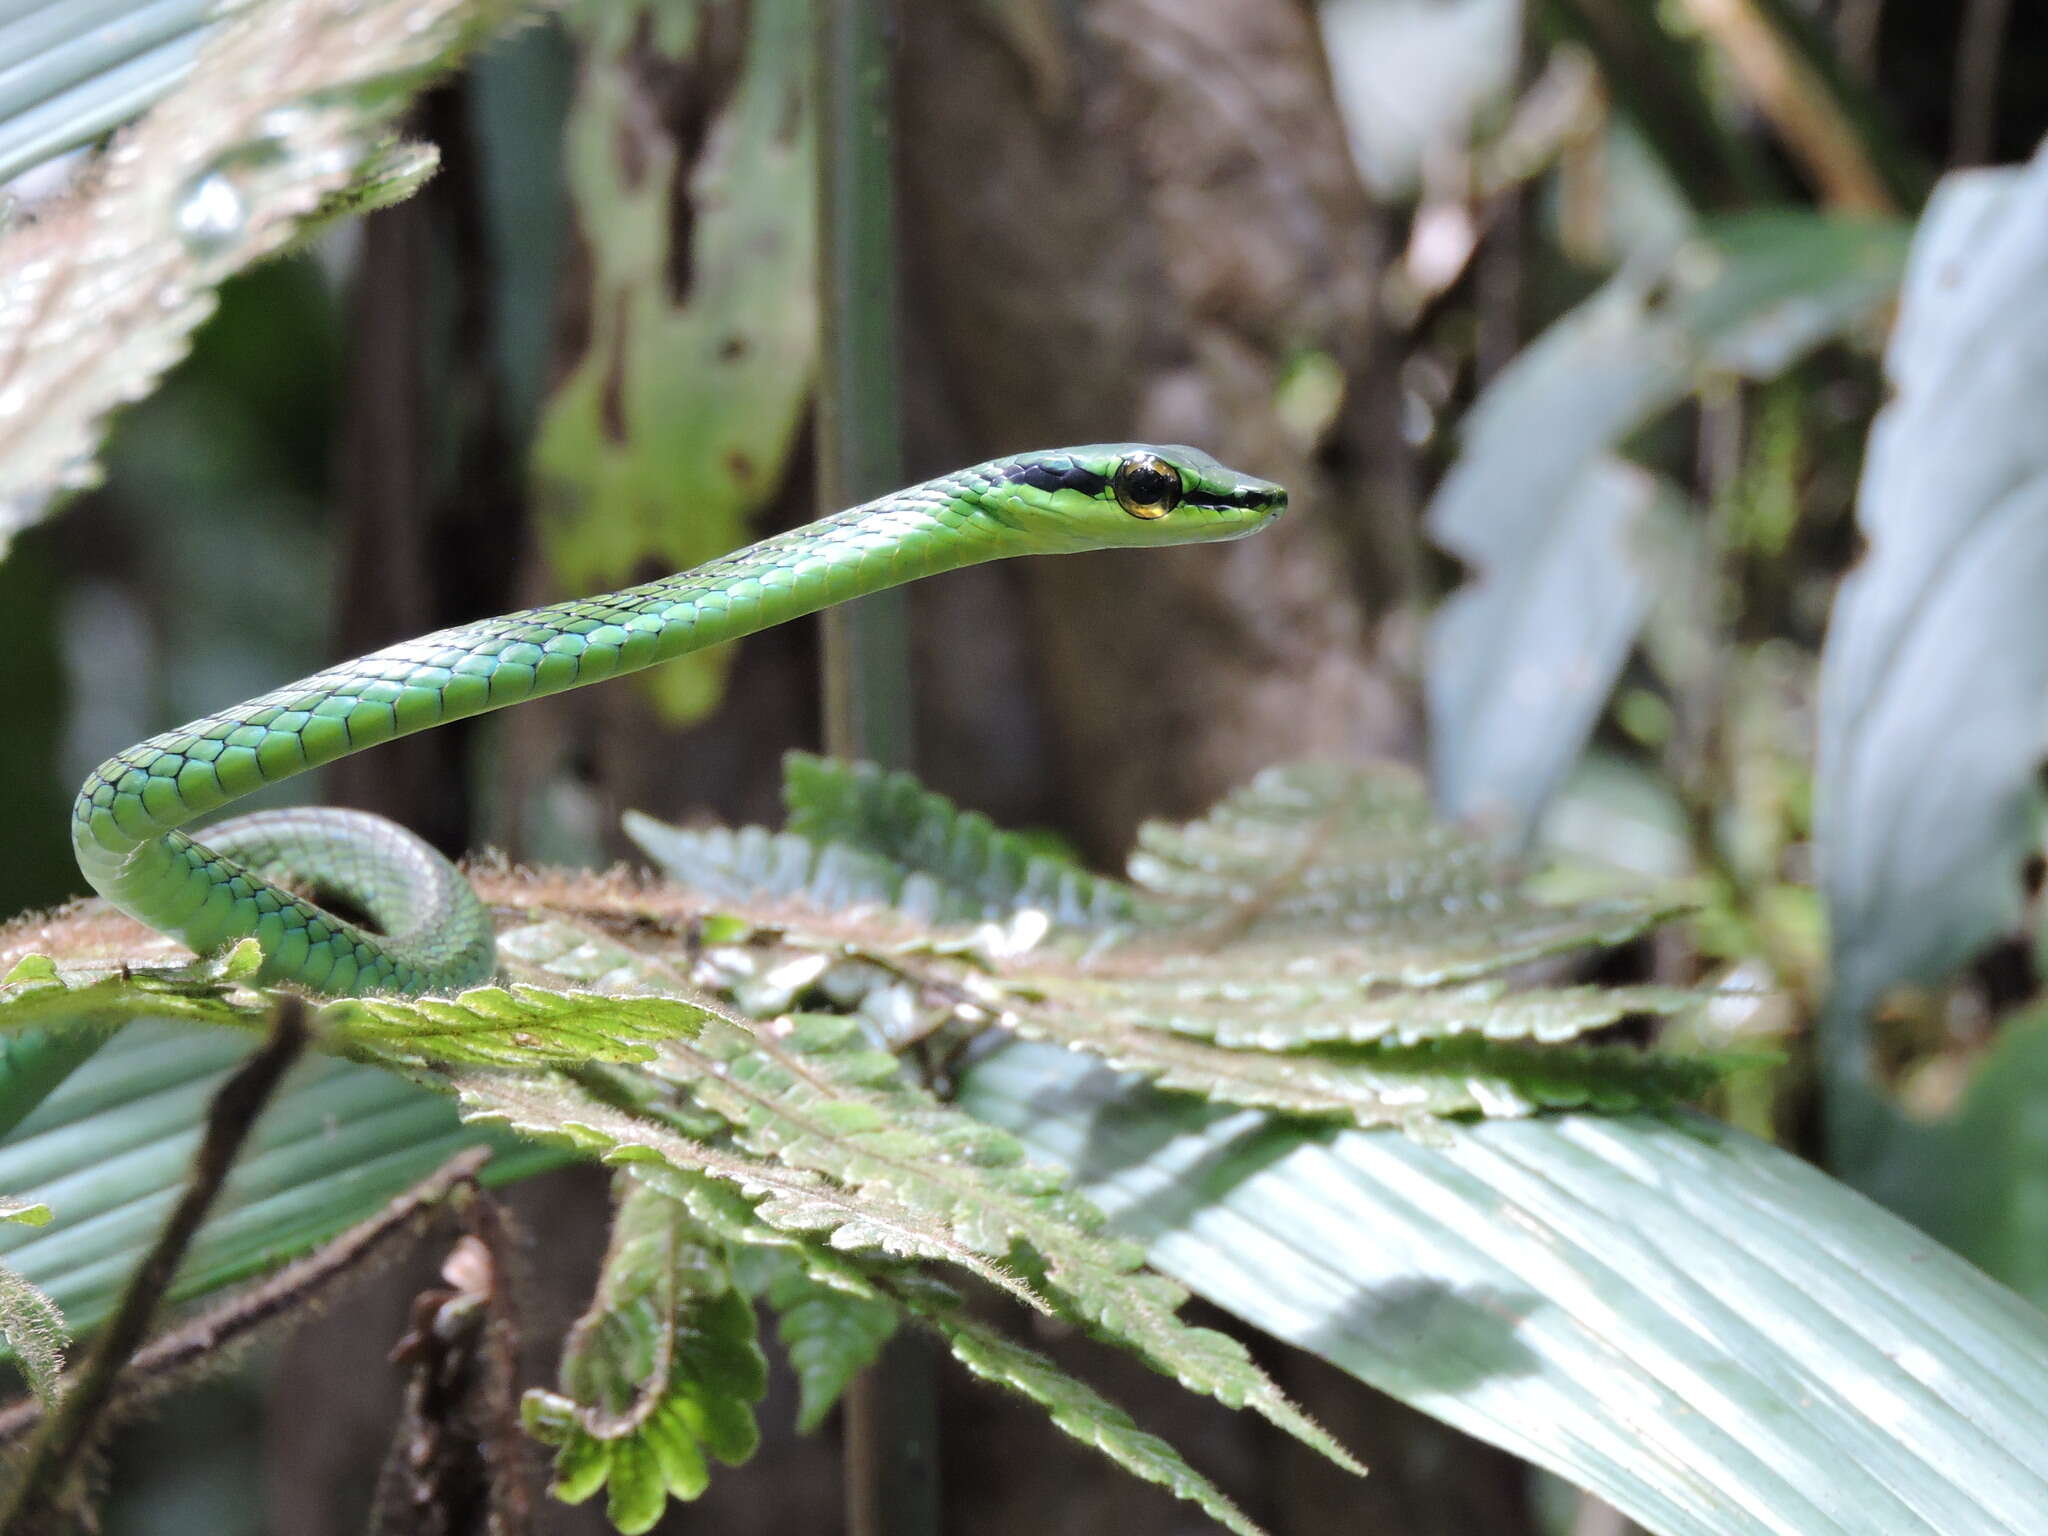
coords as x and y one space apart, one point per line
1147 486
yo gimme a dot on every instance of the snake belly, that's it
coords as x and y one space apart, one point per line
265 876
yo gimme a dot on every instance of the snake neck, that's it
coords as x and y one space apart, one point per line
133 799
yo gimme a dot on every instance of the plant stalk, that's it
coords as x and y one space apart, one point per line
891 1413
859 429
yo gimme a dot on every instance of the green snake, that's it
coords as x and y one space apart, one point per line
424 929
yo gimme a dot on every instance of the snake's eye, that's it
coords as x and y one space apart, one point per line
1147 486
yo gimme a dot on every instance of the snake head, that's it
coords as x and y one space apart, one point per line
1123 495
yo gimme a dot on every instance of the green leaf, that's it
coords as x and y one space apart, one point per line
662 1369
1706 1332
981 871
1281 1014
1338 871
809 1092
830 1334
1523 505
523 1026
673 426
516 1027
110 1149
1315 933
30 1213
858 836
1404 1085
562 1112
1978 1180
33 1328
752 864
1079 1411
1936 663
284 110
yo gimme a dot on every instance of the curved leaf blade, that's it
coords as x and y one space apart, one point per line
1706 1332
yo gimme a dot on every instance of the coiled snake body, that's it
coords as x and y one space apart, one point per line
426 930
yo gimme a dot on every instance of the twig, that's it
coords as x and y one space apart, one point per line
37 1497
1815 126
163 1359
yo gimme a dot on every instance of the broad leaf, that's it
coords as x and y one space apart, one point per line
1525 653
1706 1332
1935 671
1745 296
74 71
672 426
109 1150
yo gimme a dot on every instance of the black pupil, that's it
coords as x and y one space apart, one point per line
1147 486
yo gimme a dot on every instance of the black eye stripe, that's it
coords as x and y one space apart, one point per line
1050 476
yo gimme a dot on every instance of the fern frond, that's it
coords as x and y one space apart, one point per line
1393 1085
660 1372
1078 1410
1340 870
521 1026
811 1092
33 1328
794 1199
829 1334
1253 1012
982 871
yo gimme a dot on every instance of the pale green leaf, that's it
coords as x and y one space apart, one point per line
1520 662
1706 1332
1935 670
110 1149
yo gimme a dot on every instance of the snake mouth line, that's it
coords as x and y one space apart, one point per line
1249 499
